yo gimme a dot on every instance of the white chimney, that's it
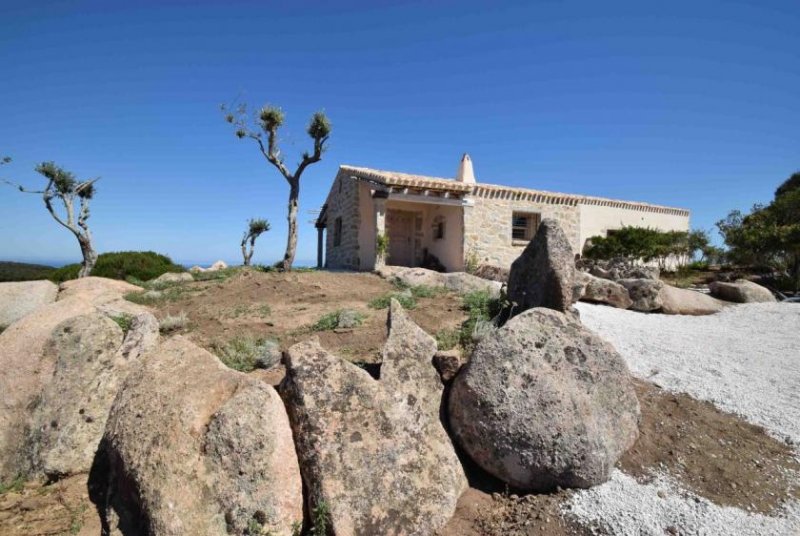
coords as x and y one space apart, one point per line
465 172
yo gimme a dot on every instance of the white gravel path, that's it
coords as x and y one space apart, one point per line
624 507
745 359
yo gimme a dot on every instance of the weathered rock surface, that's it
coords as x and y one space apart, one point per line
645 294
543 275
680 301
374 450
544 402
597 290
192 447
170 278
616 269
459 282
97 290
17 299
23 373
219 265
91 361
448 363
741 291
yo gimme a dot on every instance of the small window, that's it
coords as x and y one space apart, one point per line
524 225
337 232
438 228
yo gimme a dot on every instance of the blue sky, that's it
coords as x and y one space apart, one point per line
693 104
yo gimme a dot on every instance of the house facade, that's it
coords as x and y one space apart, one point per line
431 220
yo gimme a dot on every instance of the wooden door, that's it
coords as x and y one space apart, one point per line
400 229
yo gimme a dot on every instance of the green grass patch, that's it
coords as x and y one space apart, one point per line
171 323
481 309
382 302
244 352
14 485
124 321
447 339
331 321
216 275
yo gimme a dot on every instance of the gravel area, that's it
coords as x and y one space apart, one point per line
623 507
745 359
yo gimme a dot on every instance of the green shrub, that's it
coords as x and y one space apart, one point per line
447 339
244 352
14 485
424 291
20 271
331 321
124 321
481 309
382 302
320 519
143 265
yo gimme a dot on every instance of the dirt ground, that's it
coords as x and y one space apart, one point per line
714 454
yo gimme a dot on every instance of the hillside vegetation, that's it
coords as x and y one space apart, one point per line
21 271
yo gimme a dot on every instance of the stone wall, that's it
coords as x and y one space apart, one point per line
487 226
342 203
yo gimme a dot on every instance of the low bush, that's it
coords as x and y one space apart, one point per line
20 271
245 352
481 309
124 321
173 322
447 339
142 265
333 320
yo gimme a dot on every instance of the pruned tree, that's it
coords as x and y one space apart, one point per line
266 124
64 187
254 229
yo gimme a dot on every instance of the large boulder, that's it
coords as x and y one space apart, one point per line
681 301
544 402
544 273
192 447
645 294
374 450
596 290
464 283
172 278
20 298
23 373
741 291
97 290
492 272
92 356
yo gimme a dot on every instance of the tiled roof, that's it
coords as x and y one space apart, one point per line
393 178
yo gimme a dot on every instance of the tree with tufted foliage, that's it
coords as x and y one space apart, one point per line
255 228
74 196
266 124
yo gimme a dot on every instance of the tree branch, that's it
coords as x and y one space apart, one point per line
21 188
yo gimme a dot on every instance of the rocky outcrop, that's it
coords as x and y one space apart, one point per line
596 290
172 278
448 363
544 273
20 298
680 301
23 373
458 282
219 265
374 450
544 402
92 356
741 291
97 290
192 447
645 294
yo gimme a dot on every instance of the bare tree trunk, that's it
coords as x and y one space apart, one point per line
89 256
246 257
291 241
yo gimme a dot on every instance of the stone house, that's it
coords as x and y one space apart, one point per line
450 222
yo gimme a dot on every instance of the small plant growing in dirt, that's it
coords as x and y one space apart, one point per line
14 485
406 299
447 339
172 323
321 519
341 318
124 321
382 247
481 308
246 353
255 228
471 261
